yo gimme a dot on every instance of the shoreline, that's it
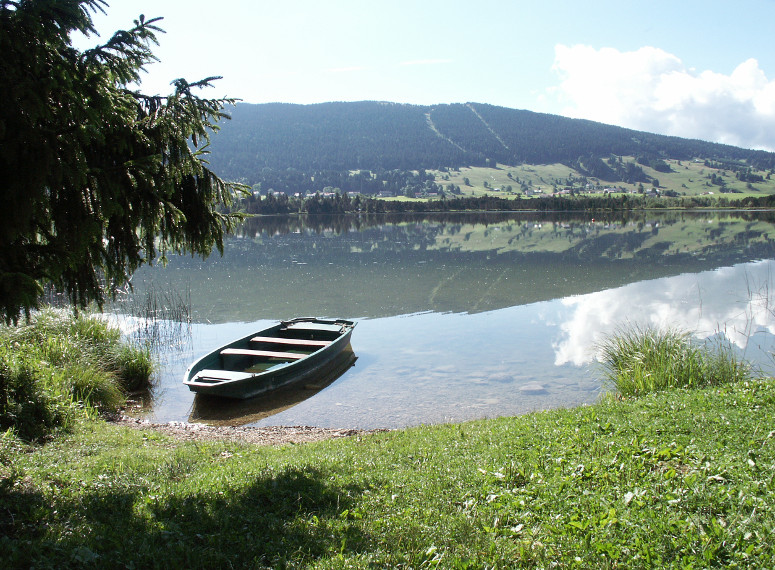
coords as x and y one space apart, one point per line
270 435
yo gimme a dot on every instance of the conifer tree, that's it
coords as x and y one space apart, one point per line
96 177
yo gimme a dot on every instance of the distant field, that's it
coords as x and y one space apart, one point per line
687 178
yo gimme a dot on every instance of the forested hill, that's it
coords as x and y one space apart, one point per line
386 136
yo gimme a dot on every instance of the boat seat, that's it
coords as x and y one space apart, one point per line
221 375
290 341
316 327
263 353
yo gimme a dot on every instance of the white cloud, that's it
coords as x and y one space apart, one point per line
652 90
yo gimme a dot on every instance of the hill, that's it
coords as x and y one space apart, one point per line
307 148
376 136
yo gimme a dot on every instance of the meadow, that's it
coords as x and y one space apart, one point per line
679 479
671 476
687 178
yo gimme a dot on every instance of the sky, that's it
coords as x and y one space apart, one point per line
696 69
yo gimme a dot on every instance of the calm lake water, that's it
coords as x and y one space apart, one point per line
464 316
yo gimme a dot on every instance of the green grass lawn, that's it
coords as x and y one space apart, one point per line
681 478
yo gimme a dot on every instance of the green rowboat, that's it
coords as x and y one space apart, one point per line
281 355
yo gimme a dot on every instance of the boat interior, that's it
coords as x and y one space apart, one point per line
288 344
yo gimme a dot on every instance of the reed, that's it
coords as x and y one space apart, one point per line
638 361
162 316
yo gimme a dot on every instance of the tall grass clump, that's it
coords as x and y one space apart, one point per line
57 363
638 361
27 407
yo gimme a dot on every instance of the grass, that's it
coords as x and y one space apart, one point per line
675 479
540 176
686 178
678 477
638 361
60 365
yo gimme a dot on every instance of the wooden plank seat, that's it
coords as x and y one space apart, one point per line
263 353
212 375
290 341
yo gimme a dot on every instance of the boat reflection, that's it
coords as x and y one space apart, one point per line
228 411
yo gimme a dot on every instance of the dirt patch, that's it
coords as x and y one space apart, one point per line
272 435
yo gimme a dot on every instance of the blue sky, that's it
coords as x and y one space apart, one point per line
688 68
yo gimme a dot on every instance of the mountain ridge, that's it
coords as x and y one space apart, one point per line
378 136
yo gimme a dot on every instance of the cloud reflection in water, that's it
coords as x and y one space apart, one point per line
736 301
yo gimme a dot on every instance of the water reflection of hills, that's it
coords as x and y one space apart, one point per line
373 266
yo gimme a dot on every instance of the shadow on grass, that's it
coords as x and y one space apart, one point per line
290 518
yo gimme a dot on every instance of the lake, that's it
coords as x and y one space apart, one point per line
462 316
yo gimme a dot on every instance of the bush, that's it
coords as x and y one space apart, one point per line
638 361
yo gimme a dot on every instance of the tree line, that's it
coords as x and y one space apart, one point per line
342 203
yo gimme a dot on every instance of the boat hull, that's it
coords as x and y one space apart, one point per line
224 372
215 410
